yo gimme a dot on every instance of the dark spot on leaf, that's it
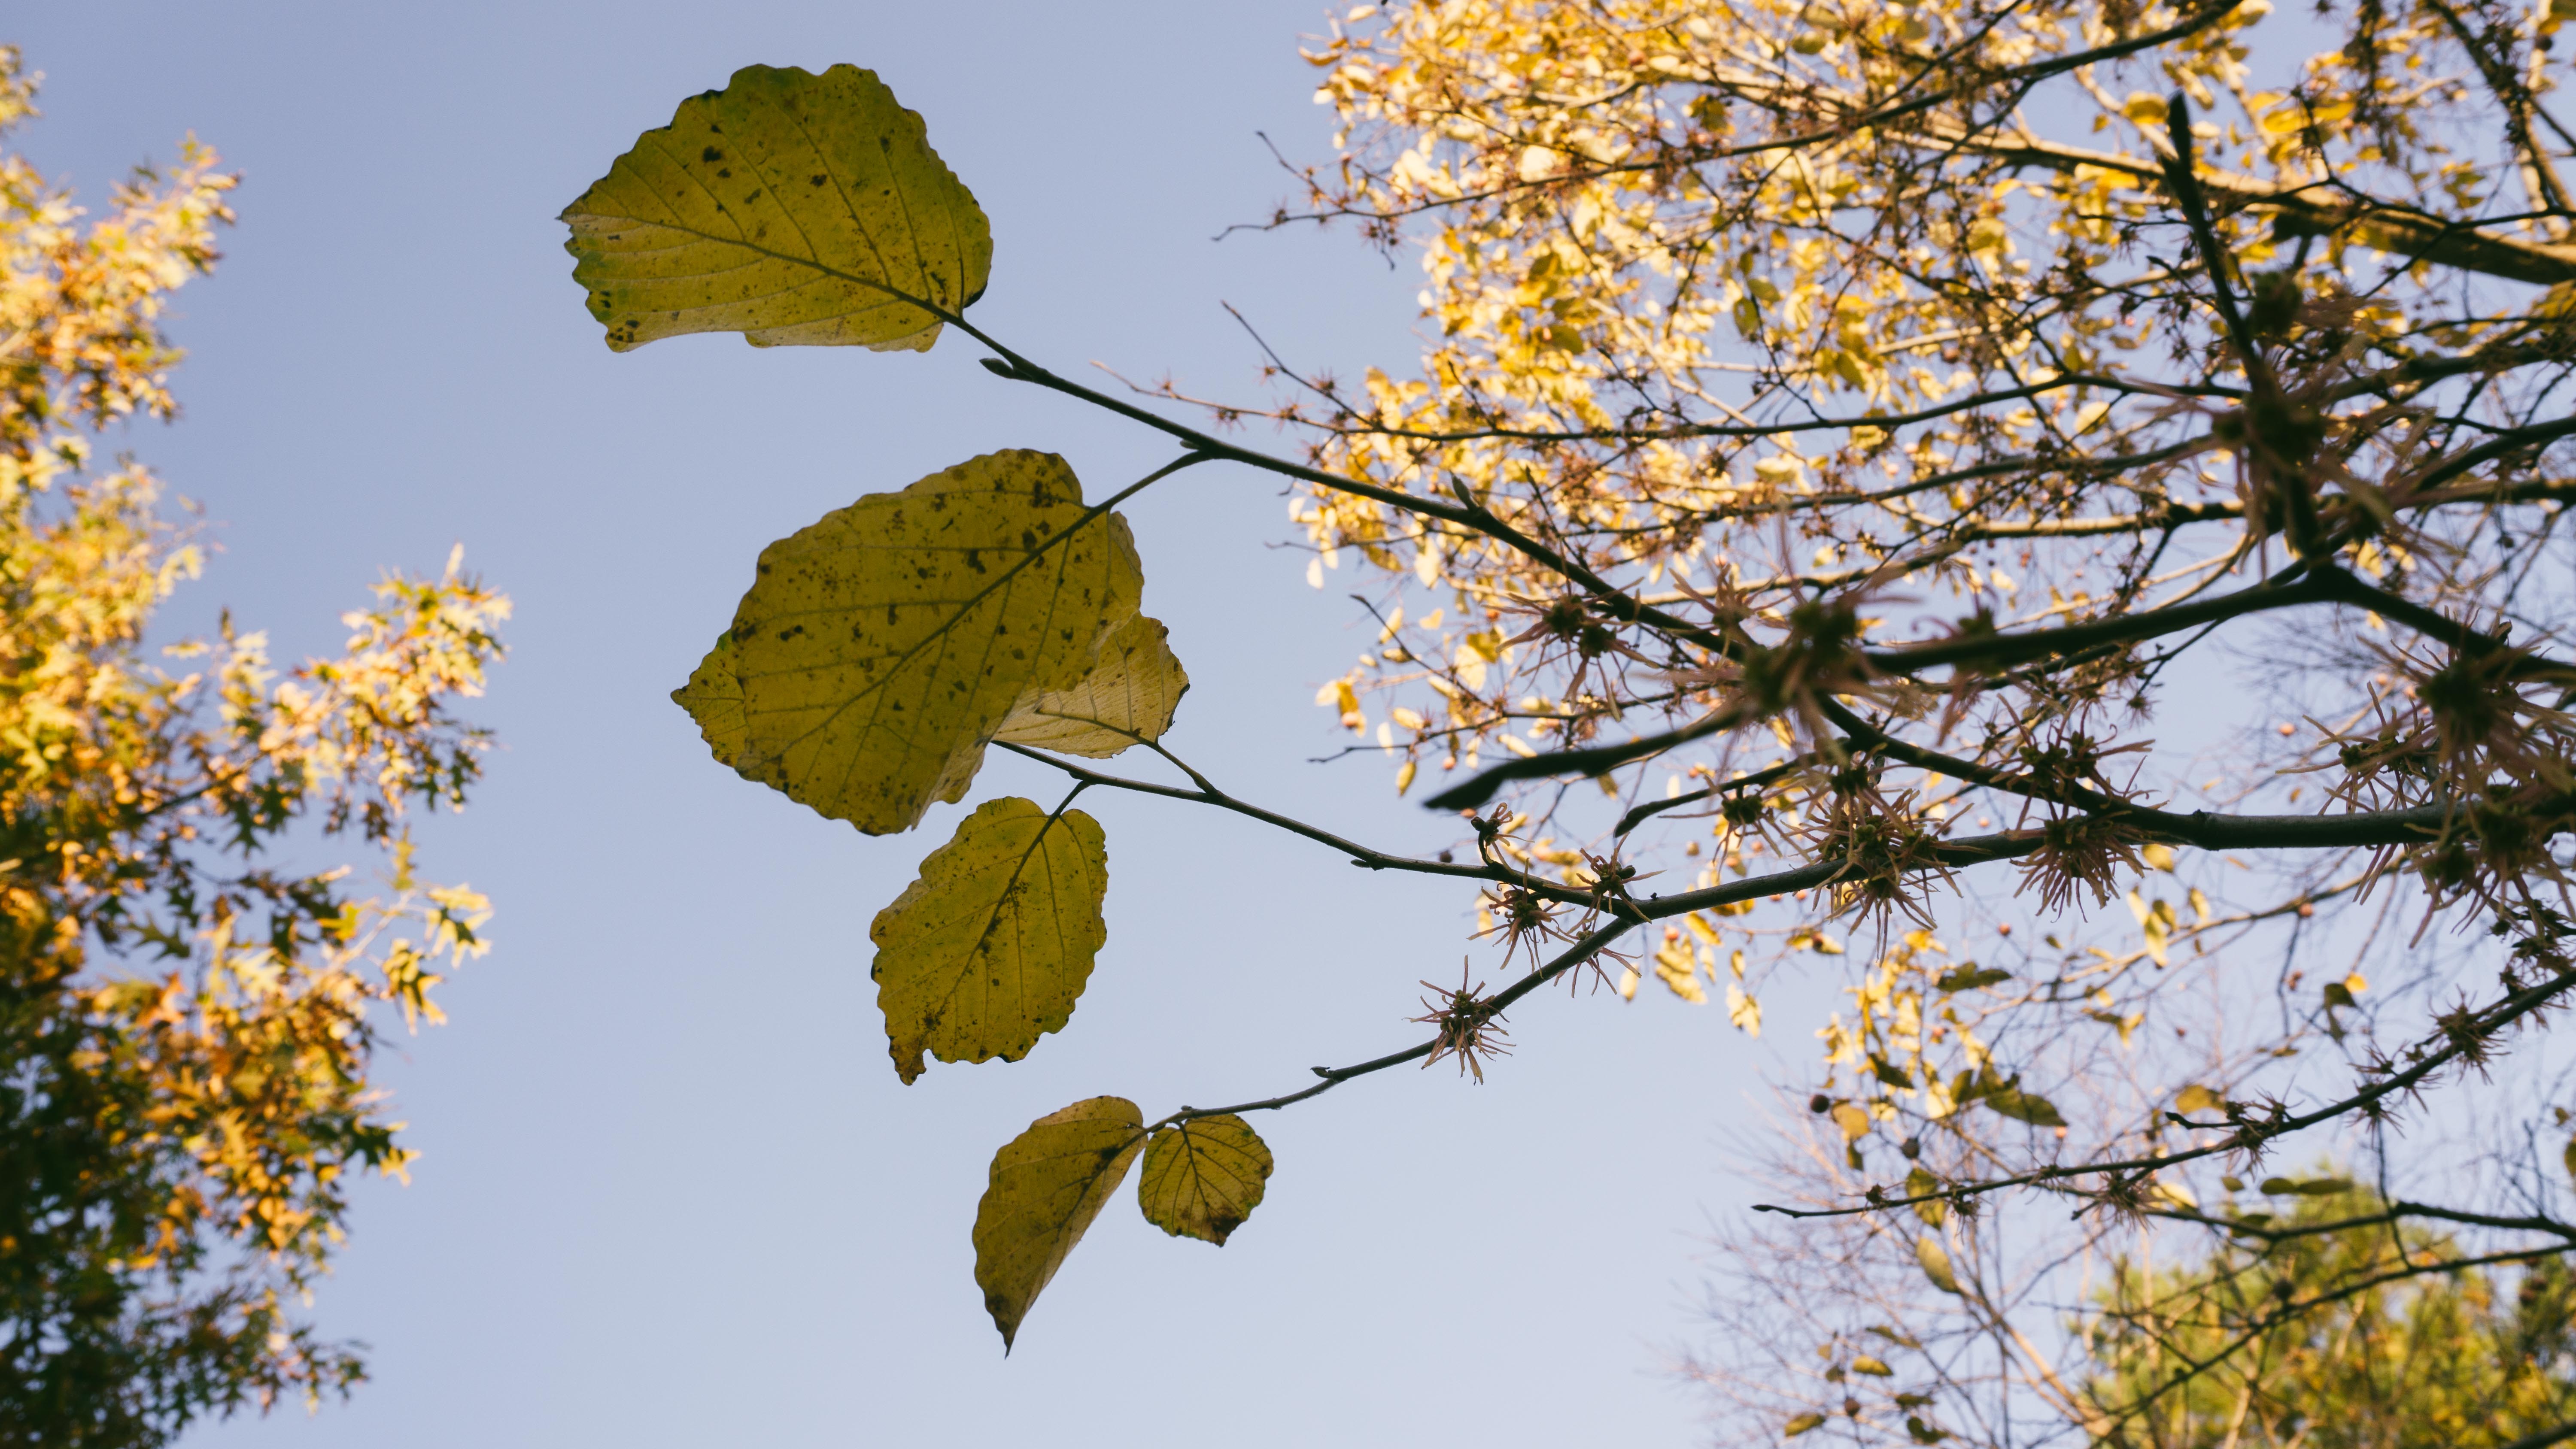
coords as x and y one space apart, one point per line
711 154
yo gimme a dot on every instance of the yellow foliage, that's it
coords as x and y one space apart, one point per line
192 1023
990 948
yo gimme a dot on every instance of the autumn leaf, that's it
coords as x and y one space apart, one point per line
1801 1425
1968 978
881 647
1203 1177
1047 1185
796 209
1128 697
989 949
1936 1263
2024 1106
713 698
2195 1099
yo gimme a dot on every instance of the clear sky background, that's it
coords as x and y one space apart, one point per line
671 1192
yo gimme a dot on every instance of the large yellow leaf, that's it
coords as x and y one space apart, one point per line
790 207
990 948
1047 1185
1127 697
881 647
1203 1177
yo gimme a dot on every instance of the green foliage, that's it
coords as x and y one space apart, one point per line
2255 1345
187 1025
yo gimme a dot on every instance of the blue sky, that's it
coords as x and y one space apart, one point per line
671 1192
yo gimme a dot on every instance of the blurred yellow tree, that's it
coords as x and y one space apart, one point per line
186 1026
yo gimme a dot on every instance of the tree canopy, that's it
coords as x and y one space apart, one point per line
186 1024
1859 451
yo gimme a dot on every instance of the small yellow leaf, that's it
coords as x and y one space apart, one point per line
1873 1367
2195 1099
2177 1194
1404 777
1801 1425
1046 1186
1678 969
2570 1156
1128 697
2199 906
990 948
1921 1184
1853 1121
1936 1263
2158 855
1742 1011
2144 108
1203 1177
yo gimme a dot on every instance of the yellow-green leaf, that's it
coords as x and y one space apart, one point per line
1852 1120
881 647
790 207
1936 1263
2570 1157
1968 978
2313 1187
1047 1185
2024 1106
1921 1184
1129 696
1801 1425
1875 1368
989 949
1203 1177
2197 1098
713 697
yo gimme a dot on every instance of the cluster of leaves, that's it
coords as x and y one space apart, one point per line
1809 428
1872 418
2330 1329
186 1025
